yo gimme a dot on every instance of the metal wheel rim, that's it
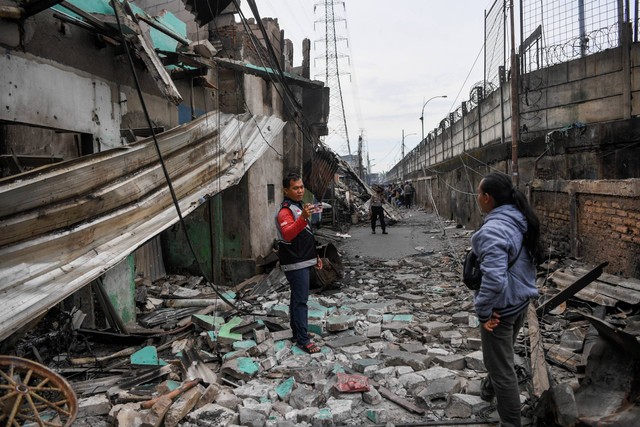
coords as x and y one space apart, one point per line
30 392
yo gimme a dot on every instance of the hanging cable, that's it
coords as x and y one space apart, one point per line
161 159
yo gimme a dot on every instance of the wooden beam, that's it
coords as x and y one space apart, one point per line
539 369
571 290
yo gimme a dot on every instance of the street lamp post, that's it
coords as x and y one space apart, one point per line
422 115
403 159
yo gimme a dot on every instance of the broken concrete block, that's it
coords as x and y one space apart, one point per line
451 361
322 418
414 348
448 337
436 393
279 311
227 399
434 328
183 405
474 343
372 397
316 327
260 335
213 415
212 339
254 389
300 416
261 349
362 364
464 405
345 341
475 361
564 405
210 394
268 363
311 375
242 368
461 318
282 408
384 373
340 322
437 372
411 380
94 405
340 409
244 345
374 330
374 316
403 358
250 417
285 334
378 416
304 396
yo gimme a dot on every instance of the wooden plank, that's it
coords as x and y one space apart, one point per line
625 282
563 280
563 357
539 368
598 287
571 290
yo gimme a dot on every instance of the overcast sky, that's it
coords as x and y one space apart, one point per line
402 53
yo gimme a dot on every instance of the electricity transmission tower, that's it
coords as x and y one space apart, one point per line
332 72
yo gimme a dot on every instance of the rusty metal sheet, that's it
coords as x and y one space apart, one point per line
63 226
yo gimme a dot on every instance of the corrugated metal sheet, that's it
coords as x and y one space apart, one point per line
63 226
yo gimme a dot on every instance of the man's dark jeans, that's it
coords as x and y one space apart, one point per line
497 352
298 310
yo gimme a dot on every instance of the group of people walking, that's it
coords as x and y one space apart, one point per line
507 246
400 194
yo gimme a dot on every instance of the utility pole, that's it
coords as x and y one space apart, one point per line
515 103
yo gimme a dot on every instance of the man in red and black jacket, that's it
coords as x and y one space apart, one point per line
297 252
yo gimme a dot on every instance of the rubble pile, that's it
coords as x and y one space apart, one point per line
400 344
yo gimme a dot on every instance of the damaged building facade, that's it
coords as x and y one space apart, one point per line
101 139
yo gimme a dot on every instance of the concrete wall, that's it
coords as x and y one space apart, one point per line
589 90
578 122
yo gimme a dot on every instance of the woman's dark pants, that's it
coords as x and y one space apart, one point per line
497 352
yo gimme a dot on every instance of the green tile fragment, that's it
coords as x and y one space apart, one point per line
285 388
248 366
147 356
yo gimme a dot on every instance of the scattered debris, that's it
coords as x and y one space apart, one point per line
399 338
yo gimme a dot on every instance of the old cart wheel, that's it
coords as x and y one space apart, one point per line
32 394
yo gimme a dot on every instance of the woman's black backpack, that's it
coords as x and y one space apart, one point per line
471 273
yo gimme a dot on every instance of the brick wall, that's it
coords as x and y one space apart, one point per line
595 220
609 229
553 211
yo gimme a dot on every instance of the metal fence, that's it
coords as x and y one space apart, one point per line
557 31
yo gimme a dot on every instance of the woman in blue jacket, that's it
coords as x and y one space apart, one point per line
506 245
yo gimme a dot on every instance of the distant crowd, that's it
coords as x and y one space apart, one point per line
400 194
